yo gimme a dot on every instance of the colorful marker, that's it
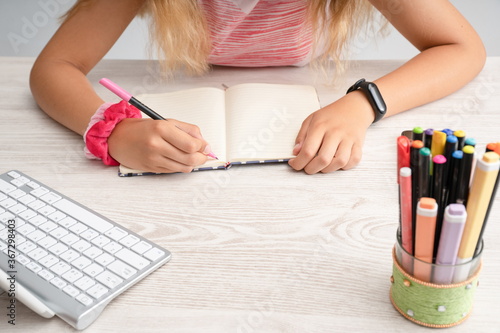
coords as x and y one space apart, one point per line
461 138
439 179
454 219
454 172
418 133
428 137
424 238
483 184
464 176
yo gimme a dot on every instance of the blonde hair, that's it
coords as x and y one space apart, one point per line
181 39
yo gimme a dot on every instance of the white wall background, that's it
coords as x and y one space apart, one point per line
27 25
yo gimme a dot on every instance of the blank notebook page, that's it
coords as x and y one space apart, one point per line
263 120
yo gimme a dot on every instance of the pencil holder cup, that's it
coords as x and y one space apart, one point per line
433 295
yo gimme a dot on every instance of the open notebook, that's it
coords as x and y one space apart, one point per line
246 123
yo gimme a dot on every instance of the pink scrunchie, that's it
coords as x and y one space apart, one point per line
100 127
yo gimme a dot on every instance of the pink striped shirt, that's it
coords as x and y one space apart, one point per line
255 33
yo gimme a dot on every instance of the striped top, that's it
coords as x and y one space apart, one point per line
256 33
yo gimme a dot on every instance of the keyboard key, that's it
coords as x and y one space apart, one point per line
33 185
7 203
47 242
93 270
116 233
97 291
72 275
13 174
78 228
57 216
67 222
38 220
48 226
105 259
132 258
59 232
70 255
26 247
72 291
27 214
37 254
50 198
46 210
22 260
81 245
34 267
122 269
26 229
58 248
89 234
129 240
83 215
58 282
81 262
48 261
60 268
92 252
18 208
100 241
84 283
6 187
112 247
20 181
141 247
70 239
84 299
46 275
39 191
109 279
36 205
16 194
154 254
36 235
26 199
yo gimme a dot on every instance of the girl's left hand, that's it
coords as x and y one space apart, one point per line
332 137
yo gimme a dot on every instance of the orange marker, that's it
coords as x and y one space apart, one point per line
424 238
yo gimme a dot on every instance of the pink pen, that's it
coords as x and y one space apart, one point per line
126 96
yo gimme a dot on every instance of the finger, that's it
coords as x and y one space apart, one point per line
301 136
308 151
341 158
325 155
179 138
356 154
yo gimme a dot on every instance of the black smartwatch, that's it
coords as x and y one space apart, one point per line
374 97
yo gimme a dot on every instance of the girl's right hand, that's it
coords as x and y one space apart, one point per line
158 145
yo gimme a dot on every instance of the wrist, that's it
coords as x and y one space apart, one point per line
372 95
360 107
100 127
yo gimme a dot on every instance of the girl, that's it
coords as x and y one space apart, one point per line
192 34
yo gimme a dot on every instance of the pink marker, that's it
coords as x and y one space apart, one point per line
126 96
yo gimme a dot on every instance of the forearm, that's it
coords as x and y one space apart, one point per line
431 75
64 93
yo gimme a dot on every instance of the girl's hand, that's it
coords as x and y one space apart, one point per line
158 145
332 137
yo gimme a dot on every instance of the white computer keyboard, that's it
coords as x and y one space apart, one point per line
67 260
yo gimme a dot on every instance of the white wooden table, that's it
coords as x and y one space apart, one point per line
255 248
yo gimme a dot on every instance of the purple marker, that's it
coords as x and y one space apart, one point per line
428 137
449 243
